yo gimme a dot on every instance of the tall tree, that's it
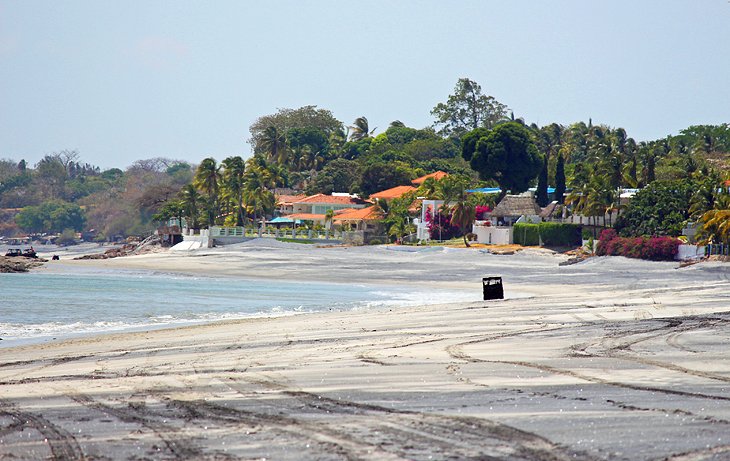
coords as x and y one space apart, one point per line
190 201
273 144
207 180
360 129
233 182
467 109
286 119
560 179
505 154
542 185
463 213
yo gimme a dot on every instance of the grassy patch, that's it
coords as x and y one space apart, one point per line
304 241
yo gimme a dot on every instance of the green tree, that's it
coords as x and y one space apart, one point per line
360 129
505 154
259 179
560 179
661 208
339 175
232 184
380 176
542 185
52 216
463 215
207 180
396 215
272 144
286 119
467 109
171 209
190 200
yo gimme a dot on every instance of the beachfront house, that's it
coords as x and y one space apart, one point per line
429 208
314 208
359 219
496 228
393 192
515 208
285 203
437 176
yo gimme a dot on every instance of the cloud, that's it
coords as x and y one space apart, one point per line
159 52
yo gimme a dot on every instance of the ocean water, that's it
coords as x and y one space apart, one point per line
39 306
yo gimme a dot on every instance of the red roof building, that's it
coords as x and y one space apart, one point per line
320 203
393 192
437 176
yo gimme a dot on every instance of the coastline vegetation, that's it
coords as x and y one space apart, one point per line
477 140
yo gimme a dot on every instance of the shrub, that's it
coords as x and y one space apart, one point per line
481 210
559 234
526 234
440 226
67 237
652 248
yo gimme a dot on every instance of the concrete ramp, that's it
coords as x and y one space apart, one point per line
188 245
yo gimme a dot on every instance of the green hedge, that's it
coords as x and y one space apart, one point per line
561 235
547 233
526 234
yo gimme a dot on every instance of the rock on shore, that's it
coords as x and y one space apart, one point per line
19 264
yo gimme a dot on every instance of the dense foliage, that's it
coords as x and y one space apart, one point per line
661 208
505 154
652 248
309 150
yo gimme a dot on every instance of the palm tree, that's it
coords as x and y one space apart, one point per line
273 145
360 129
328 217
463 215
207 179
395 215
190 199
233 182
259 178
715 226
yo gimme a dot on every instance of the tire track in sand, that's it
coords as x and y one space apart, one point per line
63 445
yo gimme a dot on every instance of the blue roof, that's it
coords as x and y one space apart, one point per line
550 190
486 190
281 219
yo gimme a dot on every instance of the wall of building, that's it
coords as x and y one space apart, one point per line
492 235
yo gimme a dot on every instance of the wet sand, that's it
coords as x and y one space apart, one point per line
610 359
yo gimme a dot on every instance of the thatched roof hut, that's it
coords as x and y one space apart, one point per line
515 206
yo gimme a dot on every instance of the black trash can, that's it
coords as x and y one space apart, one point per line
492 288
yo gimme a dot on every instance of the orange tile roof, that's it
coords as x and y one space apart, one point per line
288 199
437 175
370 213
332 199
394 192
306 216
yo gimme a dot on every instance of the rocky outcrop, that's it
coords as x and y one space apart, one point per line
19 264
149 245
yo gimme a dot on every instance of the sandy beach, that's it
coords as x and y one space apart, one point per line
609 359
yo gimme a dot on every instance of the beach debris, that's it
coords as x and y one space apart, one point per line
152 244
492 287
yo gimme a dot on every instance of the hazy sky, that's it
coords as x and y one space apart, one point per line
125 80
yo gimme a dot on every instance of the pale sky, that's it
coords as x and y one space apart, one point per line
125 80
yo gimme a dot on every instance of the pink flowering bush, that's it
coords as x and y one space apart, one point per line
440 226
481 211
652 248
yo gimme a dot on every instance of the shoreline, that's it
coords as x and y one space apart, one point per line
611 359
